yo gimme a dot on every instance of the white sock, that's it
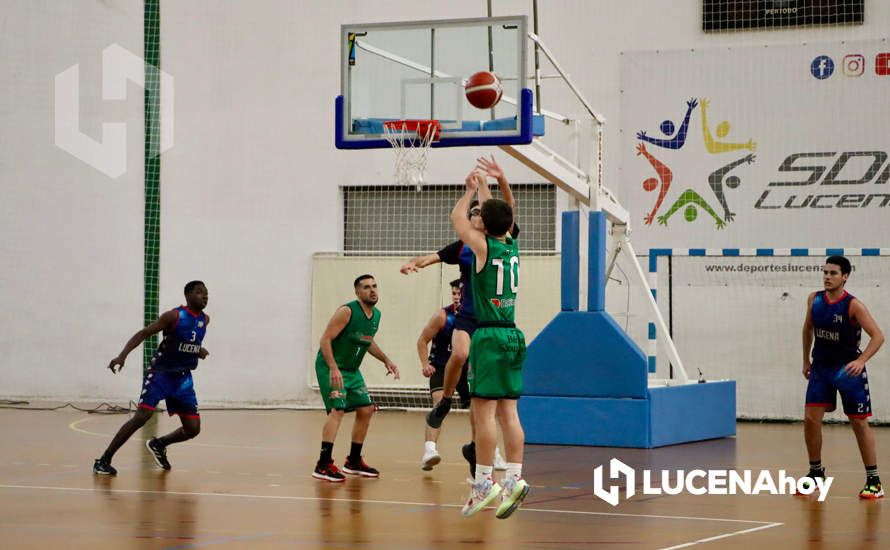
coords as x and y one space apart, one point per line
483 472
429 446
514 471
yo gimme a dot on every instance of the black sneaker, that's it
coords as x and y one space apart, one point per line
104 468
814 474
469 452
328 472
438 413
359 468
158 452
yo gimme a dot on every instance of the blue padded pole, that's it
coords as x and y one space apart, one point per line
596 262
570 260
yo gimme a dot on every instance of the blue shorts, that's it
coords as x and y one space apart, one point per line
176 388
825 383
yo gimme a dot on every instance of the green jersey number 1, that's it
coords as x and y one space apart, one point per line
514 284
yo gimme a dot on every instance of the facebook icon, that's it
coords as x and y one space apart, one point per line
822 67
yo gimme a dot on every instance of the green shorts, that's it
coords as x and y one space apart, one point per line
496 358
353 395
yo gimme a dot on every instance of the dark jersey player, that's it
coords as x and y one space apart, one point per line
834 322
465 320
434 350
169 378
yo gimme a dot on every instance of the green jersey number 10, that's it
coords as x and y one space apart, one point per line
514 283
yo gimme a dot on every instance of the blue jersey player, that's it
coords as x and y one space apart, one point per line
169 377
834 322
434 351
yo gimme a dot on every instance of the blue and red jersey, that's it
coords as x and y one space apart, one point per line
440 349
837 336
179 349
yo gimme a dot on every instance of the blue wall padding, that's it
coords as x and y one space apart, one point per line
578 421
671 415
570 260
584 354
692 412
596 263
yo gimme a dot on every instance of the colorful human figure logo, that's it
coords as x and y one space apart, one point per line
662 183
713 146
719 180
667 128
690 199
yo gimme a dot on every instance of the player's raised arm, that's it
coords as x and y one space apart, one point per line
472 237
419 262
167 321
492 169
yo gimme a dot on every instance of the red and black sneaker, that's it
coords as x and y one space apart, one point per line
328 472
813 475
359 468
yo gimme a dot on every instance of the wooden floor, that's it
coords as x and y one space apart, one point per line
245 483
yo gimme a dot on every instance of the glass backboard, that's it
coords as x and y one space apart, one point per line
417 70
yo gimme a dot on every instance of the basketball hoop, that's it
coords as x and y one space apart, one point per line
411 140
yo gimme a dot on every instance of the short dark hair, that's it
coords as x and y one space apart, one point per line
473 205
190 286
361 278
841 262
497 216
455 283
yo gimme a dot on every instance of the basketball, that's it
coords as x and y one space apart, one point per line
483 90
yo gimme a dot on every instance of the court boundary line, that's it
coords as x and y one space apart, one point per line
366 501
723 536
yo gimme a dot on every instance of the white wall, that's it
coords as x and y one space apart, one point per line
249 190
71 245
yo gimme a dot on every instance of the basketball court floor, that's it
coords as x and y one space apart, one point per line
245 483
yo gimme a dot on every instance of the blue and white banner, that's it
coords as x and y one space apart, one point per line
779 146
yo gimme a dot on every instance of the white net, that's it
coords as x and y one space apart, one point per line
411 140
733 15
741 317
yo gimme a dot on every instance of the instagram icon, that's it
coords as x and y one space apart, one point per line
854 65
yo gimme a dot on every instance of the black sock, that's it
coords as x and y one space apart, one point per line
327 449
105 457
355 452
816 466
871 474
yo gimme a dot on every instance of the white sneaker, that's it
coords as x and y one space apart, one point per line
430 458
514 492
480 496
499 462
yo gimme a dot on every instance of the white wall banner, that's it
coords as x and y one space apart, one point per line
779 146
